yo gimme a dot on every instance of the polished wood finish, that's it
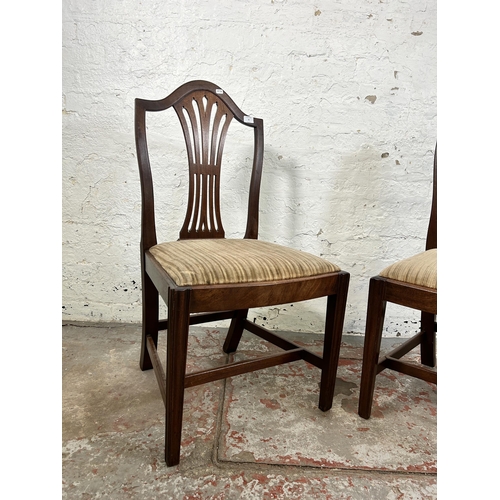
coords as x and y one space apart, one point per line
205 113
383 290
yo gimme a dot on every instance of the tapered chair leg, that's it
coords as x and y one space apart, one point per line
235 331
428 344
150 311
335 312
371 351
177 342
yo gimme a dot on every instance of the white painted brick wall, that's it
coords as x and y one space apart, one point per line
347 92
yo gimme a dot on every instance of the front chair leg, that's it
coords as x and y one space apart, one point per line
335 312
373 337
177 342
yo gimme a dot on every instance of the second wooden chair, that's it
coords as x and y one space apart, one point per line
412 283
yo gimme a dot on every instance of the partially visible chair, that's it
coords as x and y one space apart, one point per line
204 277
412 283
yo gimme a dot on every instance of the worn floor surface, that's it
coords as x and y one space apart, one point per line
256 436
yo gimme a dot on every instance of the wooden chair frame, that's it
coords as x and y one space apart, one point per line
191 305
383 290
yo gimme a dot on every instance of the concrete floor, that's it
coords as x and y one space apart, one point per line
256 436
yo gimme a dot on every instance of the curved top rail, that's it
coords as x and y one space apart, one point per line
197 85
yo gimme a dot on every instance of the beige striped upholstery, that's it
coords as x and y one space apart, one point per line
225 261
421 269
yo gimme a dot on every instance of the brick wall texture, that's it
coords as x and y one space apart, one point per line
347 92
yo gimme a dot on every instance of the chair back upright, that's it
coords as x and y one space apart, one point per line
431 241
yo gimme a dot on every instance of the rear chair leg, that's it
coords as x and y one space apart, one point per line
335 312
373 336
150 311
428 344
235 331
177 342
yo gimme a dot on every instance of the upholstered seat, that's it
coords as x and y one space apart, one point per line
421 269
225 261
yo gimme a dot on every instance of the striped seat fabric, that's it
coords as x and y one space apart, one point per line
421 269
228 261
